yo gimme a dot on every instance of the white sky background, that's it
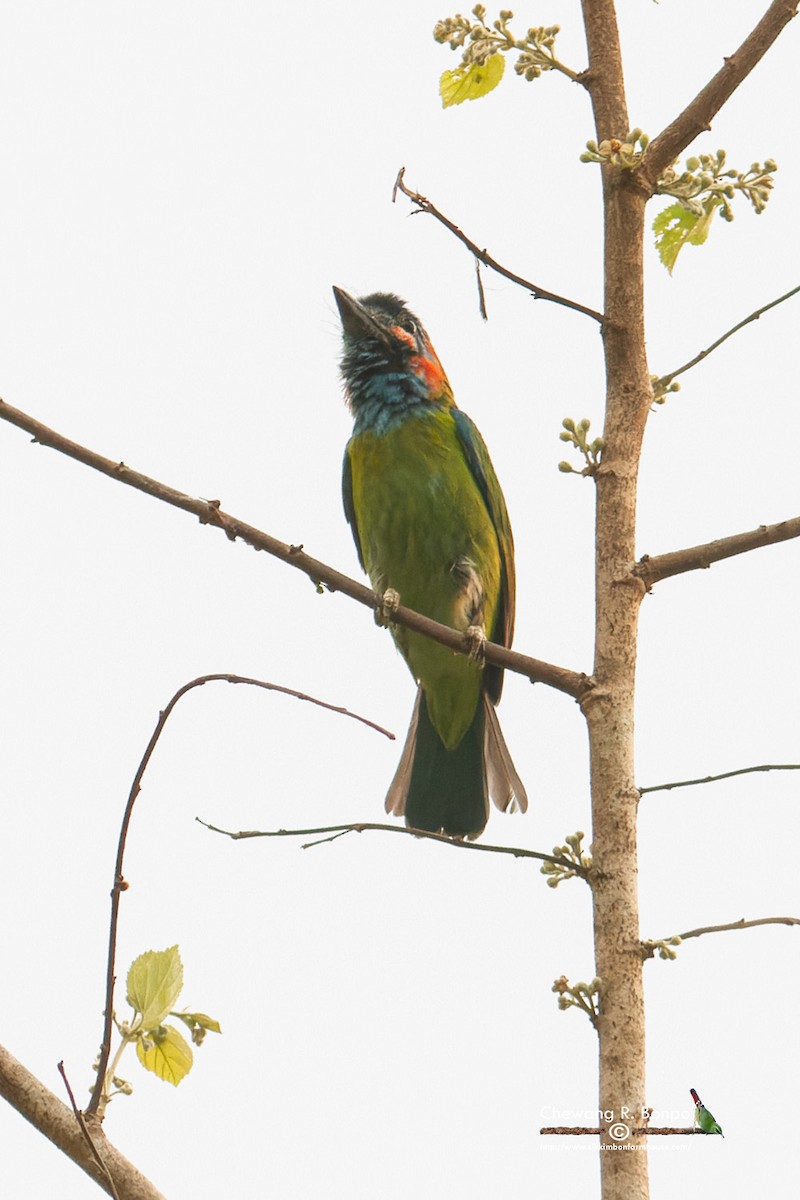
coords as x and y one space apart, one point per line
182 183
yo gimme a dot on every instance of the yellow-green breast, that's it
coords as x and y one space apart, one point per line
419 513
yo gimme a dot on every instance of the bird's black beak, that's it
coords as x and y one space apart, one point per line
356 321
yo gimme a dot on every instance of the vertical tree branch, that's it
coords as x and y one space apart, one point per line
609 711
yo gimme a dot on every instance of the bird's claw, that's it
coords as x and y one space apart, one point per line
387 606
475 643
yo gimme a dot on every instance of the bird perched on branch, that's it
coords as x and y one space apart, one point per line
703 1117
431 530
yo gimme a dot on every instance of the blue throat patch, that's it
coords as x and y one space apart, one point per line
387 400
380 397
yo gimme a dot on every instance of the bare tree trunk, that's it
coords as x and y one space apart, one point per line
609 708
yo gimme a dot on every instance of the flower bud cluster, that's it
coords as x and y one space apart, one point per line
705 177
478 41
557 872
575 434
580 995
625 152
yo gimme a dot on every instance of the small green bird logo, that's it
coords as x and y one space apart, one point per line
703 1117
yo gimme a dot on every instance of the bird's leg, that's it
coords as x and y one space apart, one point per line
387 606
475 643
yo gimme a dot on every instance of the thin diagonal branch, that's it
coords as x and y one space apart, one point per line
424 205
697 116
653 568
97 1101
87 1136
660 385
364 826
572 683
682 783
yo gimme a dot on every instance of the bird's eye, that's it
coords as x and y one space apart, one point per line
408 324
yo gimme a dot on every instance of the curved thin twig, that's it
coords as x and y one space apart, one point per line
682 783
663 383
572 683
96 1101
364 826
425 205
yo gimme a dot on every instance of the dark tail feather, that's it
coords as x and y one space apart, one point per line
448 790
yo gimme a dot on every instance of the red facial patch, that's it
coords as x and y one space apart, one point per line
429 369
425 366
403 335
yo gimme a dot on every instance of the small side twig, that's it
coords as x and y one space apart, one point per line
682 783
740 924
651 569
365 826
651 946
661 385
539 293
95 1106
95 1153
481 293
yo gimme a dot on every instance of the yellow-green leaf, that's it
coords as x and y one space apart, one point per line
677 227
468 82
168 1055
200 1019
199 1024
155 980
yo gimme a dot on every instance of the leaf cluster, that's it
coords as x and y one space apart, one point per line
155 981
482 47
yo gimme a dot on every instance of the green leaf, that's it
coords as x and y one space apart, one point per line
677 227
199 1019
469 82
199 1024
155 980
166 1053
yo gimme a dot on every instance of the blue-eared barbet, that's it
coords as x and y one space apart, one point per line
702 1117
430 526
